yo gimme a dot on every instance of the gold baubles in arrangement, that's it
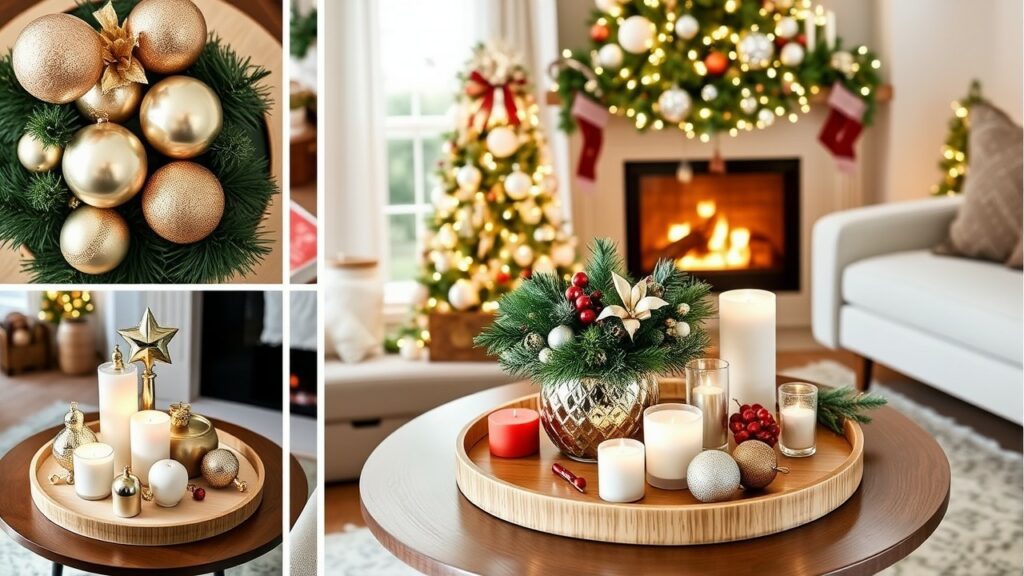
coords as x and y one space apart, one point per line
220 468
116 105
94 240
171 33
74 434
36 156
105 165
181 117
183 202
57 58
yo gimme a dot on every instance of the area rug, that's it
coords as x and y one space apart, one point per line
980 534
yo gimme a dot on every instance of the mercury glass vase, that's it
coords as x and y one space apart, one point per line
579 415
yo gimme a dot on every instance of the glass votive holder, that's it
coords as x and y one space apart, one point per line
707 388
798 418
673 435
620 470
94 470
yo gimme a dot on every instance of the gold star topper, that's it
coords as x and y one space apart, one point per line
148 341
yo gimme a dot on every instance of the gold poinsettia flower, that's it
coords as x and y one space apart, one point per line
636 304
122 68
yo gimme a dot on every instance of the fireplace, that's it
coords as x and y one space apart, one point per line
738 229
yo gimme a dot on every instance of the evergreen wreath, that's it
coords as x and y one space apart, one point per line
34 206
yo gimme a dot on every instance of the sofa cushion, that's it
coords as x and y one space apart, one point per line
974 303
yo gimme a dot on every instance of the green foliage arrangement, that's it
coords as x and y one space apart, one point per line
603 349
836 405
303 31
953 162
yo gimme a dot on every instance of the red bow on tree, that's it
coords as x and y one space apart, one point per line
478 85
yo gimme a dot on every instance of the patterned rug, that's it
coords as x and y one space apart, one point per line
980 534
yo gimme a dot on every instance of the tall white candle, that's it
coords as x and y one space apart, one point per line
811 30
151 441
830 30
94 470
798 426
747 342
620 470
673 435
119 399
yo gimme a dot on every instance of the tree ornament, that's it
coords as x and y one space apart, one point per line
57 58
517 185
94 240
758 464
787 27
74 434
502 142
116 105
463 295
712 476
748 105
608 6
36 156
766 116
687 27
530 213
610 57
468 178
636 304
756 50
682 330
716 63
171 33
544 355
183 202
181 116
560 336
220 468
674 104
104 165
683 309
523 255
599 32
708 93
792 54
544 233
121 67
636 34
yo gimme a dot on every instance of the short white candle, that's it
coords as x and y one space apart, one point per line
168 479
119 399
673 435
94 470
798 425
747 342
151 441
620 470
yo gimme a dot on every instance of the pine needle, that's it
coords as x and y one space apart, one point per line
53 124
836 405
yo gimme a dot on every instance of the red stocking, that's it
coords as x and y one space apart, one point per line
591 118
843 126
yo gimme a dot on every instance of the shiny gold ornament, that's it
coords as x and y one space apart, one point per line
74 434
758 464
181 117
148 343
126 492
57 58
171 33
36 156
115 105
183 202
122 68
192 437
94 240
220 468
105 165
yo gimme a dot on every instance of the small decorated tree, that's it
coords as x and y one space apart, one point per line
953 162
57 305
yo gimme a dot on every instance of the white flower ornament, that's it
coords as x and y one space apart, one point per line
636 304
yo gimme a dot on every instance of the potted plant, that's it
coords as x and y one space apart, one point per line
76 343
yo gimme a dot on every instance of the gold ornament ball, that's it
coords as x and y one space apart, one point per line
758 464
171 33
105 165
183 202
57 58
94 240
37 157
181 117
116 105
220 468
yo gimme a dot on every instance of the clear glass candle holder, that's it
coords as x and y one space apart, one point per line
707 388
798 419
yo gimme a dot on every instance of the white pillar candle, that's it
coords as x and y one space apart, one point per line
810 30
798 427
94 470
747 342
830 30
168 480
673 435
151 441
620 470
119 399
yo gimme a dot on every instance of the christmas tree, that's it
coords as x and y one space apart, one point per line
496 217
953 162
71 305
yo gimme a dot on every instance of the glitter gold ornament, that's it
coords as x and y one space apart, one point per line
74 434
181 117
183 202
105 165
57 58
171 33
115 105
220 468
36 156
758 464
94 240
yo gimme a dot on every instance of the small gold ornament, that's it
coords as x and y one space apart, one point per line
181 117
36 156
116 105
57 58
122 68
171 33
126 493
220 468
74 434
148 343
105 165
758 464
94 240
183 202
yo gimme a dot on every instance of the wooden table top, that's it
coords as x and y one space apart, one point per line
412 505
254 537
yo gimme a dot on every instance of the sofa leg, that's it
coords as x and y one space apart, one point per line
864 373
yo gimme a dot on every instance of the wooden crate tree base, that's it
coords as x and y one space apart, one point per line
452 334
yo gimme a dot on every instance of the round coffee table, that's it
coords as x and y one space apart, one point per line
412 505
254 537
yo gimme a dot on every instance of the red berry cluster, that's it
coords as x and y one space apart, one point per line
587 306
754 422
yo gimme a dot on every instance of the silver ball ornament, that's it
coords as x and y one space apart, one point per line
674 104
766 116
463 295
687 27
502 142
517 185
560 336
682 329
636 34
610 56
468 178
748 105
713 476
709 92
792 54
787 27
756 50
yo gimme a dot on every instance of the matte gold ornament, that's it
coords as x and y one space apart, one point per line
36 156
122 68
183 202
115 105
220 468
171 33
74 434
105 165
57 58
148 343
758 464
94 240
181 117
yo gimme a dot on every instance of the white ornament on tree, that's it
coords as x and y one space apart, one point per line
787 28
543 265
682 329
756 50
748 105
468 178
517 185
709 92
607 6
842 61
530 212
683 309
674 104
544 355
463 295
765 116
636 34
560 336
446 237
523 255
502 142
687 27
792 54
610 57
544 233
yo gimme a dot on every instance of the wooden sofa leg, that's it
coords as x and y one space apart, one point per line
864 373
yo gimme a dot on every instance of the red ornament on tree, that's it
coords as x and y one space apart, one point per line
526 274
598 33
587 317
716 63
502 277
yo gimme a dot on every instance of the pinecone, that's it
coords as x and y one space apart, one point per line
600 358
670 322
618 332
534 341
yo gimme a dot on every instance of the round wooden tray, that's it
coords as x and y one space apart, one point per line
524 491
189 521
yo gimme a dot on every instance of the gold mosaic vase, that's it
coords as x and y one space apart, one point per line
579 415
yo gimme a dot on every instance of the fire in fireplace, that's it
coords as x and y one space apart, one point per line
736 229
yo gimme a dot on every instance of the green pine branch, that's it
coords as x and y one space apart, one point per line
303 31
54 124
836 405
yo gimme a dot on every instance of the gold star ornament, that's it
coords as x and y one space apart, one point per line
148 341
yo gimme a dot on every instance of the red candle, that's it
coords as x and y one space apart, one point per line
513 432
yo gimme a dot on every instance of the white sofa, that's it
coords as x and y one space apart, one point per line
953 323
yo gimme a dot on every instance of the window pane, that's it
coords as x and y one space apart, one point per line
399 103
435 100
401 177
431 155
402 246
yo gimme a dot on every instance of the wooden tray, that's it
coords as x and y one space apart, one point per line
222 510
524 491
